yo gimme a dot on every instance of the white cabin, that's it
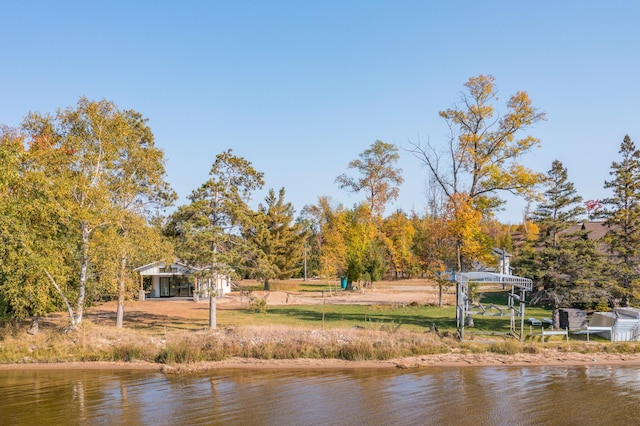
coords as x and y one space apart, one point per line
158 279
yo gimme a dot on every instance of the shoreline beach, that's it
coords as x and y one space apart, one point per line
547 358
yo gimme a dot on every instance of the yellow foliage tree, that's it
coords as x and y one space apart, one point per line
482 156
464 223
433 245
399 233
483 151
334 224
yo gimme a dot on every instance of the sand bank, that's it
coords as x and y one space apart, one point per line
548 357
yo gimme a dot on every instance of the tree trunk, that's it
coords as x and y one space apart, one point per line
470 321
35 325
266 285
212 310
440 291
62 295
121 292
624 302
84 265
555 315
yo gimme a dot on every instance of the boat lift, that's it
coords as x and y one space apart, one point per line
522 285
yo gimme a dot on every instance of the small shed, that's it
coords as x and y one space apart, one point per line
621 325
179 280
573 319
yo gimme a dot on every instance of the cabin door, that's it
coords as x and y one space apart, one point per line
164 286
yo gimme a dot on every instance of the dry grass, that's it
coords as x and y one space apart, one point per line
103 343
93 342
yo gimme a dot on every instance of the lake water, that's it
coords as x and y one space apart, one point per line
590 395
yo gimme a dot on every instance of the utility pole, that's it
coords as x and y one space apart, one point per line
305 261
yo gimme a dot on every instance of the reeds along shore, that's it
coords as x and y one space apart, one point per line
91 343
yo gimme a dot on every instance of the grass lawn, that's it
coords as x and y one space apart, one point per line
410 317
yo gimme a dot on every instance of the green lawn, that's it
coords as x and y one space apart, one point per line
418 318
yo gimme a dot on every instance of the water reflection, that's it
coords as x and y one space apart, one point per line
438 396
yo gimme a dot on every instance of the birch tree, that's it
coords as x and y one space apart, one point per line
379 179
89 154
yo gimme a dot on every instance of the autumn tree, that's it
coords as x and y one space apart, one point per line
24 218
434 247
138 190
207 230
398 233
364 255
331 224
350 244
483 149
379 178
622 217
472 244
89 154
481 158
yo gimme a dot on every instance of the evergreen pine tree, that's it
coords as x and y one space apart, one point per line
205 231
275 243
566 266
622 215
561 206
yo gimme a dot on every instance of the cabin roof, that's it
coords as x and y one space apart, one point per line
161 262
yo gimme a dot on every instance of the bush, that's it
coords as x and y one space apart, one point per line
258 305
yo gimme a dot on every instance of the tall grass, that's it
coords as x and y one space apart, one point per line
102 343
374 341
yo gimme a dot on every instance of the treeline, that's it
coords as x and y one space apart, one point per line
83 195
587 264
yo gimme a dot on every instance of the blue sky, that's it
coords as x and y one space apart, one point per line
300 88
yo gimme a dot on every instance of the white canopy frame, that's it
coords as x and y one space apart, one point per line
462 296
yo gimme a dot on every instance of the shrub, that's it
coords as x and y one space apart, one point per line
258 305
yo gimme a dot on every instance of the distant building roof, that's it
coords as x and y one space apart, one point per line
595 230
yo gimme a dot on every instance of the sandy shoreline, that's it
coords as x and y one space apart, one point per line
546 358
